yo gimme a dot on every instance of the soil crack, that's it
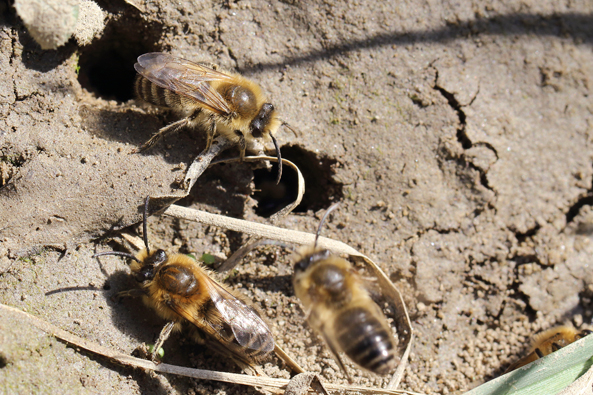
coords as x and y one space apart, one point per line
462 136
11 62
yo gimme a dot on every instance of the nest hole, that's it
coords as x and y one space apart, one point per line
106 67
321 190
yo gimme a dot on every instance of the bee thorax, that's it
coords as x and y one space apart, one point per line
241 100
178 280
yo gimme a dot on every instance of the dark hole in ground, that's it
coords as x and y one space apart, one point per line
321 190
106 67
574 210
3 361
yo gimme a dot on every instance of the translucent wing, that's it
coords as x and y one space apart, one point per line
185 78
249 328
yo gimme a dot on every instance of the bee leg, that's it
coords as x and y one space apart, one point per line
308 313
175 126
585 332
338 359
132 293
539 353
556 347
242 144
210 132
165 332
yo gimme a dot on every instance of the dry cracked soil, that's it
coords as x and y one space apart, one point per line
457 135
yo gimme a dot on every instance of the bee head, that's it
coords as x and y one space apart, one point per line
264 125
260 124
150 265
308 258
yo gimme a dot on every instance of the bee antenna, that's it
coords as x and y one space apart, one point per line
124 254
285 124
329 210
279 159
144 227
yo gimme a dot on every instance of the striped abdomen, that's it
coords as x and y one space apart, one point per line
366 339
154 94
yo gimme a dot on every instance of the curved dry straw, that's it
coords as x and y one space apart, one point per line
276 386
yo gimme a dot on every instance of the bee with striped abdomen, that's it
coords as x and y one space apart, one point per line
205 96
181 291
340 308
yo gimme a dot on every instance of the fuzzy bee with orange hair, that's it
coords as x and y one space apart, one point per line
341 310
205 96
181 291
549 341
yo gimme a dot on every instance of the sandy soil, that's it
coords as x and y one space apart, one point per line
457 135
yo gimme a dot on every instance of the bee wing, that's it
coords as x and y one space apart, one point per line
185 78
249 328
214 329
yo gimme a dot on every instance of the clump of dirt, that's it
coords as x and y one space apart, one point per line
458 139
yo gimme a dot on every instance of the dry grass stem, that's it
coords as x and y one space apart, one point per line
205 160
276 385
202 161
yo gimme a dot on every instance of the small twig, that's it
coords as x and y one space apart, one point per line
202 161
287 359
205 159
135 241
136 6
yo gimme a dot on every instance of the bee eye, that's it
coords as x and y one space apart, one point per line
146 273
154 260
303 264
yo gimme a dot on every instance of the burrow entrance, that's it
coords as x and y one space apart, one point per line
106 67
321 190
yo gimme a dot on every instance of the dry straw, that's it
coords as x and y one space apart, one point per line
273 385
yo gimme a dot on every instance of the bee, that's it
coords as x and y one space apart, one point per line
204 95
338 306
549 341
181 291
